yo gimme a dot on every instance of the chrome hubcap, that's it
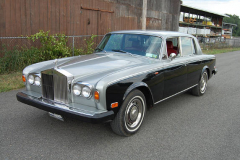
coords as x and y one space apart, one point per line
203 83
134 113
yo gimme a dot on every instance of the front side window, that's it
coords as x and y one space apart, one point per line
172 46
143 45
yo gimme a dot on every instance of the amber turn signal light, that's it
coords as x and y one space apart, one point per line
23 78
114 105
96 95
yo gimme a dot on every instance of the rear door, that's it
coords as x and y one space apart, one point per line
194 67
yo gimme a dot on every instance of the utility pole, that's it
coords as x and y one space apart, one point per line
144 14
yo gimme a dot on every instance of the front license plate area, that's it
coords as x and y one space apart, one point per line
57 116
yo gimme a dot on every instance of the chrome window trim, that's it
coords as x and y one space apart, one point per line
146 34
180 46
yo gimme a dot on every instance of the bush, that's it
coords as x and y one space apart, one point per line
16 60
52 47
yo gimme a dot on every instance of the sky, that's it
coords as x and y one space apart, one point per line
217 6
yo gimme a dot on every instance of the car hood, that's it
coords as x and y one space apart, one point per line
101 64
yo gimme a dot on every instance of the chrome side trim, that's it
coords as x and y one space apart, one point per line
150 70
175 94
162 67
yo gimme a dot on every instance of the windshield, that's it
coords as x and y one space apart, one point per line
143 45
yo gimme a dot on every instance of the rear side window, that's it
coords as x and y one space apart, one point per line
188 46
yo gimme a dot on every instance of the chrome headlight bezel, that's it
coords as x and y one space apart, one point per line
31 79
37 81
86 92
34 79
77 89
84 87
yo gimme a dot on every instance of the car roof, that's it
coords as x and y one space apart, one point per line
160 33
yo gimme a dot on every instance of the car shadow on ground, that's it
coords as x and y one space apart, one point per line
77 128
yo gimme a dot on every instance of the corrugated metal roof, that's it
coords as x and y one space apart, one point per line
223 15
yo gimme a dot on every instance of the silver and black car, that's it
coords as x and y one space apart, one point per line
129 72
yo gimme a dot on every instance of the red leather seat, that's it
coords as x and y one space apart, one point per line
170 48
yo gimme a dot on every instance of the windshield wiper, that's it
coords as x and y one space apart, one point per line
100 49
118 50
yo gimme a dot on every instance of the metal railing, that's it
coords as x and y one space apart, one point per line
218 43
76 42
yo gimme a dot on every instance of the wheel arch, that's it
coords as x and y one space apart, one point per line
143 87
207 69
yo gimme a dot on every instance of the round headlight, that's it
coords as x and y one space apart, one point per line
31 79
86 92
37 81
77 90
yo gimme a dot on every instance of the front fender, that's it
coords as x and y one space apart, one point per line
207 69
136 85
119 91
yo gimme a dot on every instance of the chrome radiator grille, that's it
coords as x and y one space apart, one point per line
47 86
54 86
60 87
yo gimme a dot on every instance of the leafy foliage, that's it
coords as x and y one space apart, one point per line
89 44
15 60
235 20
52 47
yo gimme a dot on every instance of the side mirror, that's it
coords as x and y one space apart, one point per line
172 56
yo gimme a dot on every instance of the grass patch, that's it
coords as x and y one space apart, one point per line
11 81
217 51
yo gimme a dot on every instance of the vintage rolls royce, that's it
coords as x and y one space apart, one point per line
129 72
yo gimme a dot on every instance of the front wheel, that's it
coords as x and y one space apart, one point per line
131 114
201 88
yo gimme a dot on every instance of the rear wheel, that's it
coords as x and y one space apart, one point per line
131 114
201 88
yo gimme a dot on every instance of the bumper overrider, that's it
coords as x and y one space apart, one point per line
215 71
63 110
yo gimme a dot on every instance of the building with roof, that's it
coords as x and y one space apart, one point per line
200 23
85 17
227 30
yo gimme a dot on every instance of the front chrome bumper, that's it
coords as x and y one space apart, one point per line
93 115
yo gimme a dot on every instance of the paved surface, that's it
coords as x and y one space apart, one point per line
183 127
